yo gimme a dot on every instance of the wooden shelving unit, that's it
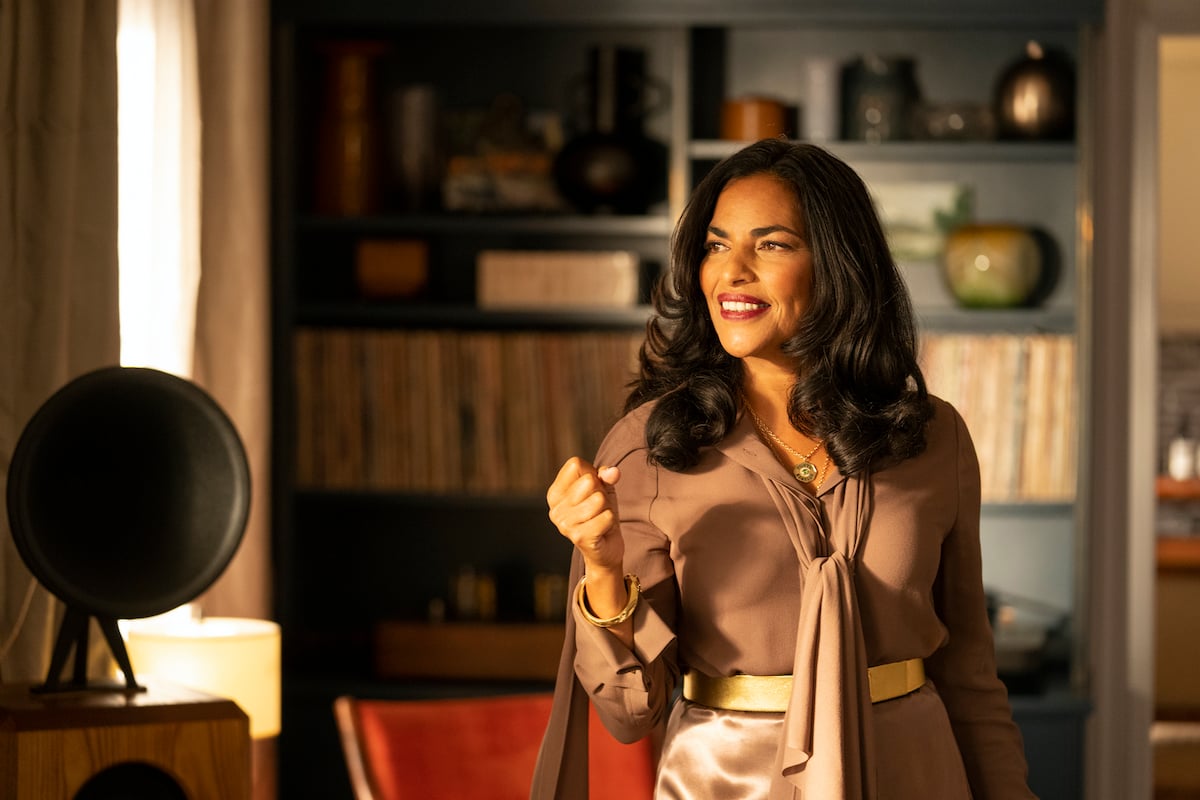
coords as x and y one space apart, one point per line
357 566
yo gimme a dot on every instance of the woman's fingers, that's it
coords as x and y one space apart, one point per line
570 472
579 502
609 475
583 506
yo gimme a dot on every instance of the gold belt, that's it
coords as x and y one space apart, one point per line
771 692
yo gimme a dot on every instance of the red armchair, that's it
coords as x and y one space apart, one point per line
481 747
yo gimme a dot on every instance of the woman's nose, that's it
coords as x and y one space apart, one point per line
737 268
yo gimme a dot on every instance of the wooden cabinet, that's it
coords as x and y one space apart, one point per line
357 550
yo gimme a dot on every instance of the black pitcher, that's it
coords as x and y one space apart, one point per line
610 164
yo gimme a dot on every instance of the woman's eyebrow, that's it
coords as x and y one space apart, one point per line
773 229
756 232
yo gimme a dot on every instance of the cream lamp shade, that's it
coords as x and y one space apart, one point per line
223 656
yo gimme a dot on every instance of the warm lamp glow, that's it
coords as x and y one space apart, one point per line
223 656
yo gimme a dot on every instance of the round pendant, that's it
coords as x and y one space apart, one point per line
805 471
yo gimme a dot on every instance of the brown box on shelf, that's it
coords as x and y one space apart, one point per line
515 651
537 279
391 268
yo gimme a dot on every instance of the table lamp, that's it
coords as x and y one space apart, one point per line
224 656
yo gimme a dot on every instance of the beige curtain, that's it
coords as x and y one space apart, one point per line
58 248
232 356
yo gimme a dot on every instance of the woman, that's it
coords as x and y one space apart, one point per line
785 520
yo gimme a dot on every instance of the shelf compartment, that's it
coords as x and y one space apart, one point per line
363 314
476 224
1008 320
914 151
453 650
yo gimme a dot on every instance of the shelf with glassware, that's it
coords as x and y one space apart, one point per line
403 140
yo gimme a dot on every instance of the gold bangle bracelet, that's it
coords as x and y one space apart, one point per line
632 585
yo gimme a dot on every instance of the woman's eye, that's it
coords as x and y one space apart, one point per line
714 247
771 245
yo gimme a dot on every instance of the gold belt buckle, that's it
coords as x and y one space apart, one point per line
889 681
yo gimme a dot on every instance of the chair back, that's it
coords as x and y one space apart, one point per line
479 747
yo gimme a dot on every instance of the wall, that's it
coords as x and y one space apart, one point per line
1179 184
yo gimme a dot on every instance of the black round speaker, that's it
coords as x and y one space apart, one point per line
128 492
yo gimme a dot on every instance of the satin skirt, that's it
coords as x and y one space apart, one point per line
711 754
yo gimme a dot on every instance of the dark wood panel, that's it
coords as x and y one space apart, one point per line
450 651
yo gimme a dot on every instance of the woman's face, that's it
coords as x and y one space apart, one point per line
757 270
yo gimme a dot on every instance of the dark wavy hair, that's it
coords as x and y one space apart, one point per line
858 386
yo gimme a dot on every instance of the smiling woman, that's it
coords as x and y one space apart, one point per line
785 525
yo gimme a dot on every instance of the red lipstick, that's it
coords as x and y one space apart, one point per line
740 307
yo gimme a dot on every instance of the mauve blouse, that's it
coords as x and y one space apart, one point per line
744 571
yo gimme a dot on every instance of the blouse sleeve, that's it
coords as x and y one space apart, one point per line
964 669
631 689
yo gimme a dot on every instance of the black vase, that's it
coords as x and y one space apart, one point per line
1035 96
611 165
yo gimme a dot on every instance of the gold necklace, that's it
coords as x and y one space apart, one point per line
805 471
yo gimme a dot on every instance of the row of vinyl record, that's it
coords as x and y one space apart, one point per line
498 412
453 411
1018 396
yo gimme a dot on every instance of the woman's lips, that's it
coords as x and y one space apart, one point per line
741 306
